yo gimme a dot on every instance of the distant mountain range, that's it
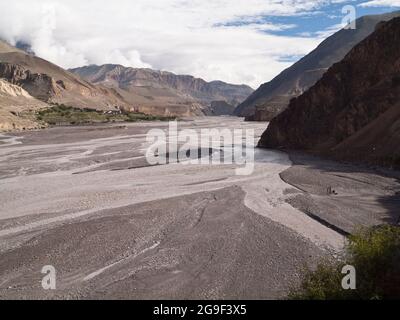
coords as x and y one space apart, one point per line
109 86
148 89
274 97
353 112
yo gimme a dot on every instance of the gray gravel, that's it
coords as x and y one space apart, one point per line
83 200
360 196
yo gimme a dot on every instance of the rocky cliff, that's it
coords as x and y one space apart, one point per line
353 112
274 97
14 102
50 83
221 108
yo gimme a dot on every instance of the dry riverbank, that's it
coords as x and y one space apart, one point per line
344 196
83 200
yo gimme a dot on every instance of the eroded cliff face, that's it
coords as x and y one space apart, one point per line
274 97
346 114
14 104
41 86
50 83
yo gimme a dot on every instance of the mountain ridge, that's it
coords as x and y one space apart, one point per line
159 93
51 83
274 96
164 83
353 112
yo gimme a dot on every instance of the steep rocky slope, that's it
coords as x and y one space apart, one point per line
353 112
14 102
50 83
273 97
143 87
221 108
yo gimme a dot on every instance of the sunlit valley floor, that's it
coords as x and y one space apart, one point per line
84 200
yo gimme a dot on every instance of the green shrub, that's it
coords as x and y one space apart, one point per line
62 114
375 254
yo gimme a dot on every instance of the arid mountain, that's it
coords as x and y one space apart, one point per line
50 83
274 97
110 86
146 87
14 101
221 108
5 47
353 112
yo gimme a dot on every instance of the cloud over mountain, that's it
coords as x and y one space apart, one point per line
214 39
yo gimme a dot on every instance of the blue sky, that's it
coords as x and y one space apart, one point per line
321 22
322 19
237 41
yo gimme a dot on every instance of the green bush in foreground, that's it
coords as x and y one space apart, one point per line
375 254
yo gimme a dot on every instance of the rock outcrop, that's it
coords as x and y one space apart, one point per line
9 90
221 108
274 97
39 85
15 103
353 112
50 83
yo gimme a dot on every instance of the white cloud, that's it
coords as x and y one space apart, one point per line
198 37
381 3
